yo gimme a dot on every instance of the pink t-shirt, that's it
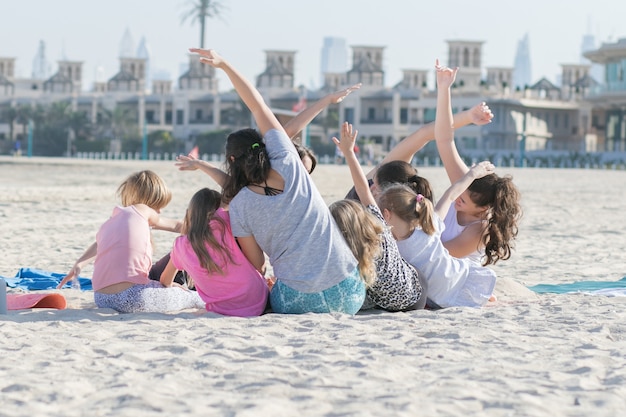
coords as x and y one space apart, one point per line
241 291
124 249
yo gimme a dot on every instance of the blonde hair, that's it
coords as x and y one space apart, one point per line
361 231
144 187
413 208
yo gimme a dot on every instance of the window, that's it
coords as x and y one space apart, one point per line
180 117
429 115
404 115
349 114
371 114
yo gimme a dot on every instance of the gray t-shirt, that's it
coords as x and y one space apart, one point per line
294 228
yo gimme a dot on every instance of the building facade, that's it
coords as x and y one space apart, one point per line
578 116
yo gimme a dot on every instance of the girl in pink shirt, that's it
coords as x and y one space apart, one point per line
122 252
224 278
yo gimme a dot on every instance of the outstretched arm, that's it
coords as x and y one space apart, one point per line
156 221
456 189
189 163
409 146
306 116
346 145
85 258
261 112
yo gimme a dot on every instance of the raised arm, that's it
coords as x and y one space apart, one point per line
156 221
456 189
444 132
189 163
409 146
346 145
261 112
444 124
306 116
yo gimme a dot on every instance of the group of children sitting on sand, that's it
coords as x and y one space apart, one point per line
387 245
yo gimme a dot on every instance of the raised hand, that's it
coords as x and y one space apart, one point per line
348 138
481 114
445 75
482 169
186 163
208 56
73 274
338 96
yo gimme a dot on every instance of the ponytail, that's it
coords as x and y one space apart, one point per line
412 208
402 172
425 211
247 162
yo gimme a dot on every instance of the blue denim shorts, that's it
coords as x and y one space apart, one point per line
345 297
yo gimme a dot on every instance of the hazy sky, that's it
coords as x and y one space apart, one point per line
413 33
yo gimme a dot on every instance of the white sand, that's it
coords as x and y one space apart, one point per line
525 355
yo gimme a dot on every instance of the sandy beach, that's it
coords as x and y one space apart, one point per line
524 355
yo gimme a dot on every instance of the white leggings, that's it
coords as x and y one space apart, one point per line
150 298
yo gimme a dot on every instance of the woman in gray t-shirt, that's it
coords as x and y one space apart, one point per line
275 208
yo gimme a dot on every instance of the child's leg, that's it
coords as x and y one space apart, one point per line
150 298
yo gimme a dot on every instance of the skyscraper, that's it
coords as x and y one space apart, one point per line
41 66
522 74
143 51
127 45
589 44
334 56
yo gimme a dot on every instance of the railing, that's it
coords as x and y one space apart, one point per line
152 156
616 161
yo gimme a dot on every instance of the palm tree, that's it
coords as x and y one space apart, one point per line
25 114
199 10
10 115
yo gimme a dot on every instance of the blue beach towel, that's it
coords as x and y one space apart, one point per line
38 279
611 288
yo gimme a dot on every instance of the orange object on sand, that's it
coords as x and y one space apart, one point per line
35 300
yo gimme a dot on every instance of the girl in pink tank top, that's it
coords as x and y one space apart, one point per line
122 253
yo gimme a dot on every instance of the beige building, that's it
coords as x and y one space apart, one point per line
573 117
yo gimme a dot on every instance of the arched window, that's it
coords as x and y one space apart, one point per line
477 58
466 57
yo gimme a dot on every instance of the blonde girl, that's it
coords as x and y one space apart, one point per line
397 285
122 253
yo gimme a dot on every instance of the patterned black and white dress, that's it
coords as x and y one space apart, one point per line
397 286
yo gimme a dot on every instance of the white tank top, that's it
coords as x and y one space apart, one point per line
453 229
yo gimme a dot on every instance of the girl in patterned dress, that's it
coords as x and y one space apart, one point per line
397 285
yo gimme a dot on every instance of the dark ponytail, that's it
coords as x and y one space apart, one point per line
400 172
247 162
